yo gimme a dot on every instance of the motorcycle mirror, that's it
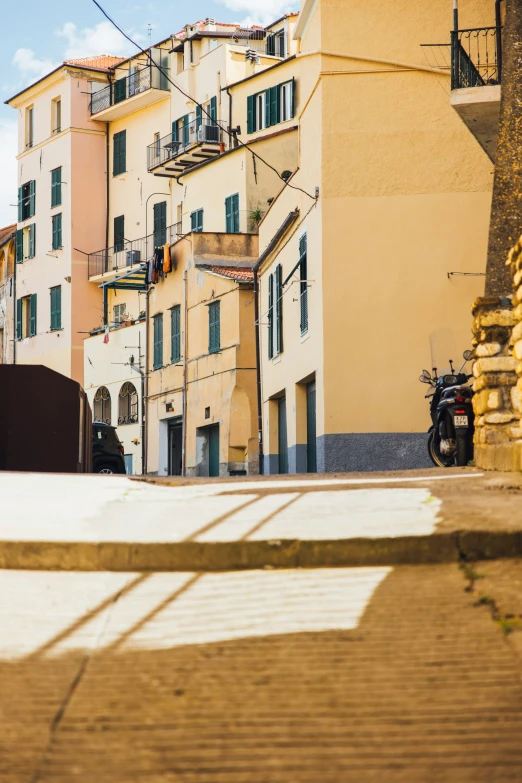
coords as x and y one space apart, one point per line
423 379
467 355
427 375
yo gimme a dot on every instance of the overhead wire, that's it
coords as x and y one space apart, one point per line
203 109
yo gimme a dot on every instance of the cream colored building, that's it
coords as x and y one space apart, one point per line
367 277
61 214
7 294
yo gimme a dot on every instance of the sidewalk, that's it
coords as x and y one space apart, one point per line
119 524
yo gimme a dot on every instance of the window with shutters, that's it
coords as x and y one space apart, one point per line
275 312
271 106
175 334
303 285
19 255
57 231
25 243
160 224
119 153
232 214
158 341
30 233
214 327
119 89
196 220
128 404
119 233
56 187
26 317
56 308
26 200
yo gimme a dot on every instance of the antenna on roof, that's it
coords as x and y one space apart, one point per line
150 34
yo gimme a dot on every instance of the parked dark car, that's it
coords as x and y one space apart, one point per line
107 450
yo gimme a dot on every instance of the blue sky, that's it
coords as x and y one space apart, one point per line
38 35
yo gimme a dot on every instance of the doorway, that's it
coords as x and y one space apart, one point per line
311 434
213 450
281 435
207 450
175 447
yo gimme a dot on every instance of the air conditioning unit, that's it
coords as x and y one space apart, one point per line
132 257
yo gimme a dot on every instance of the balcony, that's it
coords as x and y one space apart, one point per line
143 87
258 41
476 72
130 254
195 142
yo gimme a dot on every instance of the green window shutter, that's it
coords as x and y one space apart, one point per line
119 153
19 306
160 224
270 44
158 341
235 207
303 274
32 198
32 315
196 220
175 335
175 134
57 231
120 90
270 316
199 116
32 240
232 214
228 214
279 307
185 130
56 307
272 99
214 337
19 245
56 187
251 113
292 102
119 233
268 109
213 109
20 204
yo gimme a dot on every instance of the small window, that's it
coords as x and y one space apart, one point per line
232 214
56 307
26 317
158 341
286 108
56 187
196 220
56 116
175 335
57 231
26 200
120 312
160 224
260 111
102 405
25 243
119 233
29 127
119 153
128 404
214 327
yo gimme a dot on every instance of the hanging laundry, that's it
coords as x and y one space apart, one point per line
166 258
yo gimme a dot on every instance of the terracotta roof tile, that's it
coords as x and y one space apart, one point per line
6 232
102 61
242 274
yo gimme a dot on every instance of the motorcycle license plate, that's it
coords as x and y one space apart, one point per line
461 421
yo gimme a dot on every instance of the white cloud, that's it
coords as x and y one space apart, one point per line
30 65
101 39
261 13
8 167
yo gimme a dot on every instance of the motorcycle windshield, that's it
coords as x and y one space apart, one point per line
443 348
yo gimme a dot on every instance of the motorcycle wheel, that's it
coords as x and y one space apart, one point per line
438 459
462 450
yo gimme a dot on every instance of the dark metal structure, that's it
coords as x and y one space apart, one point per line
45 421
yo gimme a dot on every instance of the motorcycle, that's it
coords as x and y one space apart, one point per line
450 437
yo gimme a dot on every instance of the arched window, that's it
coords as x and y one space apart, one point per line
128 404
102 405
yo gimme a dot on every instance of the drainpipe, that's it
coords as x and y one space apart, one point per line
258 376
230 115
454 47
145 392
498 25
107 196
185 385
14 305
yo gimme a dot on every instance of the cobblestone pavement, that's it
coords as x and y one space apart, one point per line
395 675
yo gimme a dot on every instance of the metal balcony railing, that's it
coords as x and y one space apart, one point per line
476 57
127 253
273 44
169 147
138 81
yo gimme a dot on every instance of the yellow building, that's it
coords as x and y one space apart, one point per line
202 405
7 294
366 276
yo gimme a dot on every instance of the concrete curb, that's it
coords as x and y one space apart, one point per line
247 555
